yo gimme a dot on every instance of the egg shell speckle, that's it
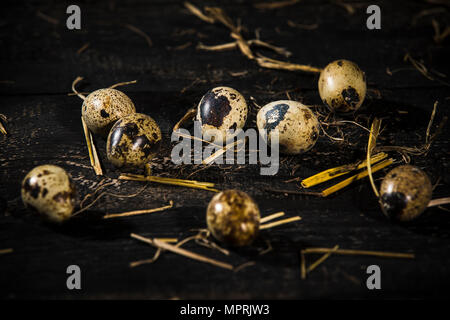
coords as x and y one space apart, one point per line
103 107
133 141
298 127
50 191
405 193
233 217
221 109
342 86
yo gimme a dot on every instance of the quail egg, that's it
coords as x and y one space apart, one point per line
342 86
405 193
298 127
103 107
233 217
49 190
221 110
133 141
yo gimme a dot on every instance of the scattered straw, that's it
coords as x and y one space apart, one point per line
321 259
244 265
374 132
438 35
47 18
2 128
84 47
93 156
170 181
139 32
195 256
122 84
271 217
339 171
189 115
5 251
439 202
215 14
137 212
279 222
293 24
382 254
361 175
275 5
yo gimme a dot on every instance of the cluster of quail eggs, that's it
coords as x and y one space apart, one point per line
222 111
133 139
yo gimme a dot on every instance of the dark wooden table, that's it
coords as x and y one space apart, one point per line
39 61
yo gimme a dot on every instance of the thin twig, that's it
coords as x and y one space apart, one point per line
361 252
195 256
137 212
139 32
321 259
280 222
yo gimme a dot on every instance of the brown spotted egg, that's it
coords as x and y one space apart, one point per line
103 107
297 126
342 86
50 191
133 141
233 217
221 110
405 193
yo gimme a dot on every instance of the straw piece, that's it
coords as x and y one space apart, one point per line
197 12
321 259
282 65
137 212
2 129
195 256
339 171
139 32
374 132
439 202
356 177
271 217
361 253
275 5
122 84
218 153
93 156
280 222
190 114
302 265
176 182
5 251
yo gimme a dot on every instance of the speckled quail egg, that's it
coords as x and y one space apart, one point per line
50 191
405 193
342 86
133 141
103 107
233 217
221 109
298 127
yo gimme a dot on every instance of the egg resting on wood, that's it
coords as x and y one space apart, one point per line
342 86
103 107
233 217
133 141
298 127
220 110
405 193
50 191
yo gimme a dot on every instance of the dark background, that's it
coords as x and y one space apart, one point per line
39 61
